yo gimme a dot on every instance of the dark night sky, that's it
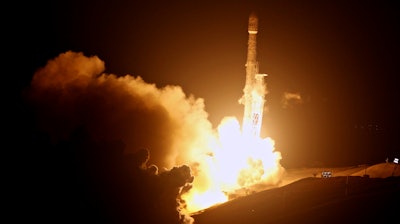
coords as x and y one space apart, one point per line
340 56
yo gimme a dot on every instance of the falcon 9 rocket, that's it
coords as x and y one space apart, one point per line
255 89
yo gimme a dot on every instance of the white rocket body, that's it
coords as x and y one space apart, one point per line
254 90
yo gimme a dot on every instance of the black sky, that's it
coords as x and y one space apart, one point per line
340 56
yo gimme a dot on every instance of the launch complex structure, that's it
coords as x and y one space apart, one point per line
255 89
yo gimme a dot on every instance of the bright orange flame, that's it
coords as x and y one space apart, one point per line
237 162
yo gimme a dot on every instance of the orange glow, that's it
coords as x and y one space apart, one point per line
237 162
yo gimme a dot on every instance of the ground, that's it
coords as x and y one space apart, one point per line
352 195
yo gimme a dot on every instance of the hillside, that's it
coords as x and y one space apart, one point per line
349 198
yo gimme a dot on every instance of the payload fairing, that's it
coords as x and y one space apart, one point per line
255 89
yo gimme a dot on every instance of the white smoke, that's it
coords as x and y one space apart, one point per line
71 91
290 99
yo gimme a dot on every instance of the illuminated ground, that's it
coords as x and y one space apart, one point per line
347 196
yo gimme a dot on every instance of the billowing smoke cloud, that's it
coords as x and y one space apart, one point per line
107 119
71 92
289 99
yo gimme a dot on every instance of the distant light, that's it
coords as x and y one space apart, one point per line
396 160
326 174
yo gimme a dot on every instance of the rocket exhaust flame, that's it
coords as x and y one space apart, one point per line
241 161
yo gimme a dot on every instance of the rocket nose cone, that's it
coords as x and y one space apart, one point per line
253 22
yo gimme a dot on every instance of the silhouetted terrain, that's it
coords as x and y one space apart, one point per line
339 199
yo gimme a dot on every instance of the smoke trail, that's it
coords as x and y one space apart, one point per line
288 99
